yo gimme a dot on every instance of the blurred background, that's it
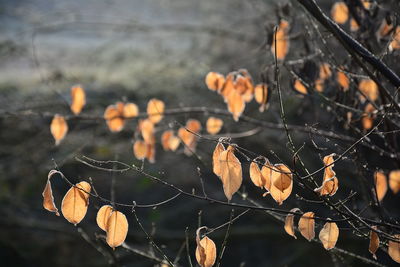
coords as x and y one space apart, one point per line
134 51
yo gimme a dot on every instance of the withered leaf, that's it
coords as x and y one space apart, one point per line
289 223
117 229
131 110
214 125
206 252
216 159
231 172
78 97
394 181
58 128
103 215
307 225
283 191
215 81
373 241
155 110
75 202
394 249
48 199
380 185
329 235
282 40
340 12
330 183
140 149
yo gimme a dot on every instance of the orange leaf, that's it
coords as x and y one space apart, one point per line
300 87
215 81
114 117
78 99
58 128
289 223
285 179
367 118
165 139
330 183
235 104
281 186
147 130
193 125
354 25
373 242
140 149
307 225
155 110
75 202
329 235
394 249
340 12
216 159
343 80
214 125
48 199
380 185
151 153
117 229
369 88
325 71
228 87
282 40
394 181
231 172
261 95
206 252
244 86
384 29
395 44
103 215
131 110
256 176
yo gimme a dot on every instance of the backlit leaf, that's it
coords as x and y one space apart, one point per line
282 40
307 225
354 25
48 199
147 130
214 125
329 235
75 202
231 172
340 12
394 249
289 223
280 190
373 242
255 175
368 118
140 149
78 99
117 229
235 104
380 185
285 179
206 252
325 71
216 159
330 183
151 153
215 81
261 95
228 87
300 87
58 128
103 215
369 88
155 110
131 110
343 80
114 117
395 44
394 181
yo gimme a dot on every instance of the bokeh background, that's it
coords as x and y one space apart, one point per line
134 51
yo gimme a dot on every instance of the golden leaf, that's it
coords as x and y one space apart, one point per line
394 181
117 229
103 215
307 225
235 104
214 125
131 110
75 202
78 99
193 125
343 80
114 117
282 40
140 149
58 128
369 88
228 87
206 252
289 223
394 249
329 235
155 110
48 199
354 25
340 12
330 183
215 81
216 159
380 185
266 172
373 242
147 130
284 189
256 176
165 139
231 172
300 87
261 96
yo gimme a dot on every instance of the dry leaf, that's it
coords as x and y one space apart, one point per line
155 110
395 44
340 12
117 229
131 110
380 185
206 252
75 202
216 159
140 149
58 128
231 172
343 80
394 181
256 176
329 235
367 119
244 85
285 179
325 71
215 81
307 225
48 199
78 99
300 87
330 183
282 40
319 85
193 125
214 125
147 130
235 104
384 29
394 249
369 88
281 183
373 242
103 215
354 25
165 139
289 223
114 117
266 172
151 153
261 95
228 87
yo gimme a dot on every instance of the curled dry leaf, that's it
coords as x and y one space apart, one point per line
367 119
394 249
103 215
117 229
58 128
216 159
140 149
155 110
340 12
147 130
369 88
307 225
236 104
78 97
380 185
256 176
300 87
282 40
75 202
289 223
231 172
329 235
188 135
48 199
228 87
394 181
373 242
244 85
131 110
214 125
281 183
215 81
206 252
114 117
343 81
261 96
330 183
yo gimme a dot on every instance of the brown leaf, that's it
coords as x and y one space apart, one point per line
261 96
151 153
114 117
228 87
285 179
307 225
78 99
231 172
193 125
354 25
330 183
131 110
340 12
394 181
206 252
282 40
117 229
48 199
256 176
216 159
373 242
155 110
329 235
380 185
394 249
140 149
236 104
325 71
75 202
58 128
277 176
289 223
103 215
214 125
215 81
369 88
